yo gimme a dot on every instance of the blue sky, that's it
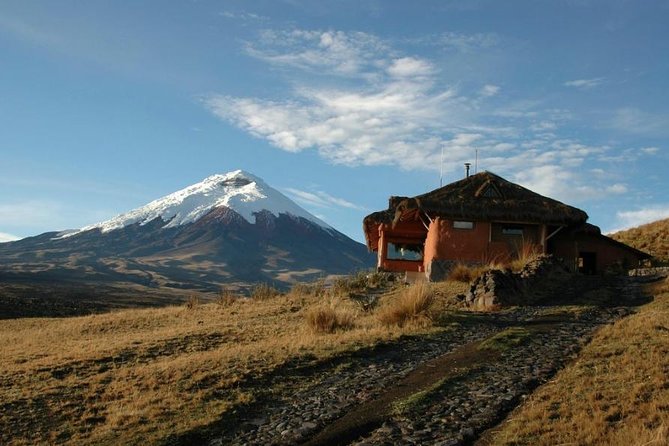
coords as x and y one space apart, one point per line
105 106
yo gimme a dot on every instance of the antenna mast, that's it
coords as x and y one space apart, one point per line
476 162
441 167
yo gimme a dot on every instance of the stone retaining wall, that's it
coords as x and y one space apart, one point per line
539 280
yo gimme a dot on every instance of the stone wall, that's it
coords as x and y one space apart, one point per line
538 281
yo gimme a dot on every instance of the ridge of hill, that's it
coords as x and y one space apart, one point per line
652 238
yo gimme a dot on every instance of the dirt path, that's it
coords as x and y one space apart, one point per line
369 416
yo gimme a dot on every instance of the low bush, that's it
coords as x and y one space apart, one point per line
349 284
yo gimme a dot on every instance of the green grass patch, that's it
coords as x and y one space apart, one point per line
416 401
505 340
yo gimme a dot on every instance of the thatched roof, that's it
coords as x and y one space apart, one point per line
481 197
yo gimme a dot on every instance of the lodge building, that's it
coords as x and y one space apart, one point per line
484 218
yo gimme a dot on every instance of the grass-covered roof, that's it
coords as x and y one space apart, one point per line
480 197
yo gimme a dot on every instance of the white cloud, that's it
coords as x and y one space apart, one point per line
585 83
636 121
617 189
320 199
489 90
398 112
630 219
467 42
5 237
410 67
650 150
543 126
243 16
324 52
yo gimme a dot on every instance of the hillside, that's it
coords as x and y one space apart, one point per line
652 238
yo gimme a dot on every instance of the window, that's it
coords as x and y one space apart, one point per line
463 224
512 230
404 251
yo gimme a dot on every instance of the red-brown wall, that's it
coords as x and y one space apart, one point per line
608 253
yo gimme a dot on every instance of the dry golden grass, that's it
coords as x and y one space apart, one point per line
526 254
411 305
617 393
137 376
466 273
652 238
330 318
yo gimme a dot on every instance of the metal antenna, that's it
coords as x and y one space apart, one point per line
476 162
441 167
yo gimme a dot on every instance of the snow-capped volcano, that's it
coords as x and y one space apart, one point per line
227 229
243 192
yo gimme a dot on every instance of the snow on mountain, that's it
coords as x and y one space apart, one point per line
240 191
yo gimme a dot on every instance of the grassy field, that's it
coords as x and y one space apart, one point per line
138 376
617 392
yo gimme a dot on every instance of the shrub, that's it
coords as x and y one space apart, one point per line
328 319
349 284
412 305
264 291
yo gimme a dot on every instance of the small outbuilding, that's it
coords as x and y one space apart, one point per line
484 218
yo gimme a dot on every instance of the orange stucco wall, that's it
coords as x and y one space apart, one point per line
444 242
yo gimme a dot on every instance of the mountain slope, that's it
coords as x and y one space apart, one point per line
229 229
652 238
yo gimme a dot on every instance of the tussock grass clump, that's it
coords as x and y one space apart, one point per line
316 288
359 282
264 291
527 253
226 298
328 319
192 302
411 305
465 273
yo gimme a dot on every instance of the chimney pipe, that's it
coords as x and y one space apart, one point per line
467 169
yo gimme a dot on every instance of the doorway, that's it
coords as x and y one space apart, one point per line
587 263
